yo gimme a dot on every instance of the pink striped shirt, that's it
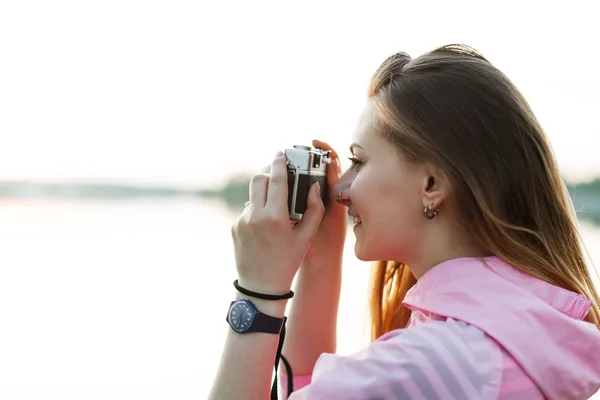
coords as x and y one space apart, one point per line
479 329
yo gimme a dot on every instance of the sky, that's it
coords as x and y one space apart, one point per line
192 93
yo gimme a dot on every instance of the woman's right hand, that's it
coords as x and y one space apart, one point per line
329 240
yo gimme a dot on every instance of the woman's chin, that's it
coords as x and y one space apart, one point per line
364 252
361 253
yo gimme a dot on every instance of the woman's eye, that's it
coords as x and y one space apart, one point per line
355 161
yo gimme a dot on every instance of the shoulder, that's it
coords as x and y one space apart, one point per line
437 359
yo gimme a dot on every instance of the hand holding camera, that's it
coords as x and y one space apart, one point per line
268 251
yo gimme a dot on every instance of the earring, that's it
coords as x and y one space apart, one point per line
429 212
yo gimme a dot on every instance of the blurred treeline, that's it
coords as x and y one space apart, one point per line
585 196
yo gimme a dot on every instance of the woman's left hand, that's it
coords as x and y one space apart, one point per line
268 251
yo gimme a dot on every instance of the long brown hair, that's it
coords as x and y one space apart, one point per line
453 108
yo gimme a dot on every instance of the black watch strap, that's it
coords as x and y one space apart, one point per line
267 324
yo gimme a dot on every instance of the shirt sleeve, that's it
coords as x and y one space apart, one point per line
298 382
434 360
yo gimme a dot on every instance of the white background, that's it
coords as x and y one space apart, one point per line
193 92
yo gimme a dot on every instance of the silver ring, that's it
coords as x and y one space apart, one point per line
246 204
339 198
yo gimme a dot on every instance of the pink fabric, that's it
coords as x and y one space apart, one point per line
299 381
515 383
479 328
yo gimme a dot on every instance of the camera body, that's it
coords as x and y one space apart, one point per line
305 166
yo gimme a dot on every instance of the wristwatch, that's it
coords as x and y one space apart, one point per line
244 317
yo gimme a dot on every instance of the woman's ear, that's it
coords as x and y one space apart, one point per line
435 188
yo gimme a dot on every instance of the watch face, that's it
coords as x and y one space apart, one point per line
241 316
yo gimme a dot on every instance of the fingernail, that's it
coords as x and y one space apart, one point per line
318 187
278 154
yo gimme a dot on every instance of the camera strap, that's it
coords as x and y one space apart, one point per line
288 367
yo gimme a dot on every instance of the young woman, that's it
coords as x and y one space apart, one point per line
484 292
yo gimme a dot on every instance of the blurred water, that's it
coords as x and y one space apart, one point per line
127 300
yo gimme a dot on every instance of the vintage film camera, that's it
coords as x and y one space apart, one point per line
305 166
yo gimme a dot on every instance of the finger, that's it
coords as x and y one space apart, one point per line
258 191
307 228
334 173
277 192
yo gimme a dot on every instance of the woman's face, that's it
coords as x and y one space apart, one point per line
386 196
